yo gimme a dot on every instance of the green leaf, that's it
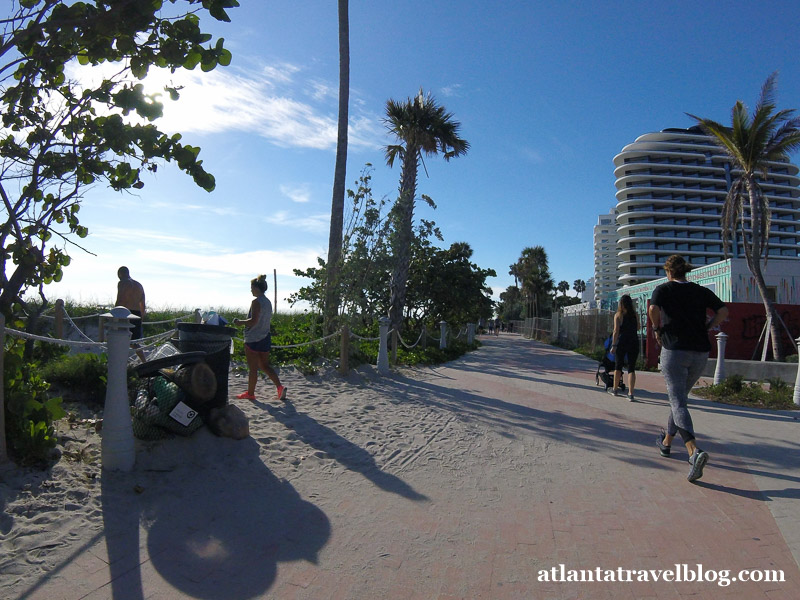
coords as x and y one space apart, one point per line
192 60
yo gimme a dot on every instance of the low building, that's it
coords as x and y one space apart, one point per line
732 281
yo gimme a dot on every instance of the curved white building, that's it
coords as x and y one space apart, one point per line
670 189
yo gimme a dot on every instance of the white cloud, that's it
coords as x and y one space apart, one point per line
142 237
179 278
318 223
263 101
452 91
300 194
322 91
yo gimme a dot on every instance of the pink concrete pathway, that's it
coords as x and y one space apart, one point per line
512 464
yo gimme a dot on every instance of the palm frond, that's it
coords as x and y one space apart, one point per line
394 152
721 134
759 226
732 212
767 95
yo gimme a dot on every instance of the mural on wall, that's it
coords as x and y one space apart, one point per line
745 329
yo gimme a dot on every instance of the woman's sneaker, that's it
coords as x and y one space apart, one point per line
631 398
698 460
660 444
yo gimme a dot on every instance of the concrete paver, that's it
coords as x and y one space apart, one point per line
527 467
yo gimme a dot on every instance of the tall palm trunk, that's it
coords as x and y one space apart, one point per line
404 234
753 257
332 291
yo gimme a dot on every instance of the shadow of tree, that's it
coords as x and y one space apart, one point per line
345 452
596 431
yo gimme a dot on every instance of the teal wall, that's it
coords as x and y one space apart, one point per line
717 277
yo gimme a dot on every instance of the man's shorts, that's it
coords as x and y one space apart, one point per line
137 325
264 345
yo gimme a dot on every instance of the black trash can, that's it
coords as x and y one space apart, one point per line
215 341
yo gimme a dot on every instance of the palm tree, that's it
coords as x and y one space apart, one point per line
514 270
752 143
422 127
332 292
579 285
563 287
534 273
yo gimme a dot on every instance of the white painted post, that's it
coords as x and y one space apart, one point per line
443 339
796 396
344 350
719 373
383 352
117 446
471 333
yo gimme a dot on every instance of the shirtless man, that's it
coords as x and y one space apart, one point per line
130 294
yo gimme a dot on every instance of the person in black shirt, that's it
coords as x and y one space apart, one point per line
678 312
625 345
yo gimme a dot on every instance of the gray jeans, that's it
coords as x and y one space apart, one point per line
682 369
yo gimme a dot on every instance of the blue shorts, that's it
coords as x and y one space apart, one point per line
264 345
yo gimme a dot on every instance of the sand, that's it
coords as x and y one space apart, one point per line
330 424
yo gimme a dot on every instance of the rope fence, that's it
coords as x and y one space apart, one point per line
62 317
126 350
414 345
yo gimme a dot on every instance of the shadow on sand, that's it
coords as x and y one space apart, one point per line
345 452
216 530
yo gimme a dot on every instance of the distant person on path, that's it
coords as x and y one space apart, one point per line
678 314
491 326
497 324
130 294
258 340
625 345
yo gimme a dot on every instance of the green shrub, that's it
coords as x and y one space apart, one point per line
735 390
30 413
84 374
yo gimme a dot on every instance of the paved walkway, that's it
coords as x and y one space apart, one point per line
523 465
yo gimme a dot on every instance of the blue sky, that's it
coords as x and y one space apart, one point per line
547 94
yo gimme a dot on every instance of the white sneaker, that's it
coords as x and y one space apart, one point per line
698 460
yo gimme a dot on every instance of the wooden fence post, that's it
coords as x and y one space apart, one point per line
3 451
344 353
59 319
